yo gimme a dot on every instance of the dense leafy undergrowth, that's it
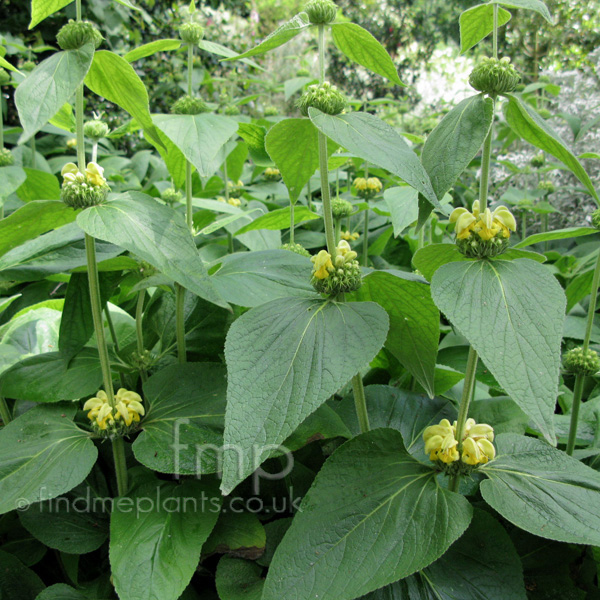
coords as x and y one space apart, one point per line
291 357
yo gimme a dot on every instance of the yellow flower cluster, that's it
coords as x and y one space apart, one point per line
477 448
350 237
367 188
272 174
323 266
232 201
94 174
486 225
127 411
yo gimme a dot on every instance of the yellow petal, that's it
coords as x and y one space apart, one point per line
69 168
456 213
504 216
476 208
464 225
487 448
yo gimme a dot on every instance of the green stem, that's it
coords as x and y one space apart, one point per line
90 248
523 225
78 10
327 214
485 165
139 313
463 411
95 151
592 306
189 212
190 68
308 196
366 239
180 323
421 239
1 122
360 403
338 231
118 447
115 341
321 53
577 394
292 223
495 32
79 130
4 411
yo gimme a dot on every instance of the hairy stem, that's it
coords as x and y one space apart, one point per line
463 411
321 53
292 223
495 32
577 394
592 306
120 465
485 165
139 332
366 239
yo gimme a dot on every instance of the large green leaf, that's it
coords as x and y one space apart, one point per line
362 48
220 50
414 321
512 312
199 137
456 140
254 136
31 220
238 533
42 454
481 564
289 30
279 219
298 161
156 234
172 155
51 377
372 516
239 579
408 412
17 582
253 278
527 124
11 178
151 48
372 139
52 83
536 5
403 204
40 9
61 591
557 234
477 23
186 413
156 535
113 78
284 359
76 522
543 490
39 185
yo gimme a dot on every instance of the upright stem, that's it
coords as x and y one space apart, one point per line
292 223
226 178
327 215
321 53
577 394
33 152
4 411
463 411
495 32
95 151
79 129
580 379
360 402
189 213
115 341
120 465
523 225
338 231
190 68
90 248
180 322
139 332
366 239
485 164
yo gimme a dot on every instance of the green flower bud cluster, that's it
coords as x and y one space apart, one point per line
492 76
297 249
546 186
321 12
596 218
6 157
341 208
191 33
271 111
171 196
82 190
236 190
302 73
144 361
333 277
4 77
367 188
272 174
325 97
232 110
28 66
581 363
188 105
95 130
538 160
76 34
475 247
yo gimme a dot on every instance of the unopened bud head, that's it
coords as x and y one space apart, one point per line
191 33
321 12
325 97
76 34
95 130
494 76
187 105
